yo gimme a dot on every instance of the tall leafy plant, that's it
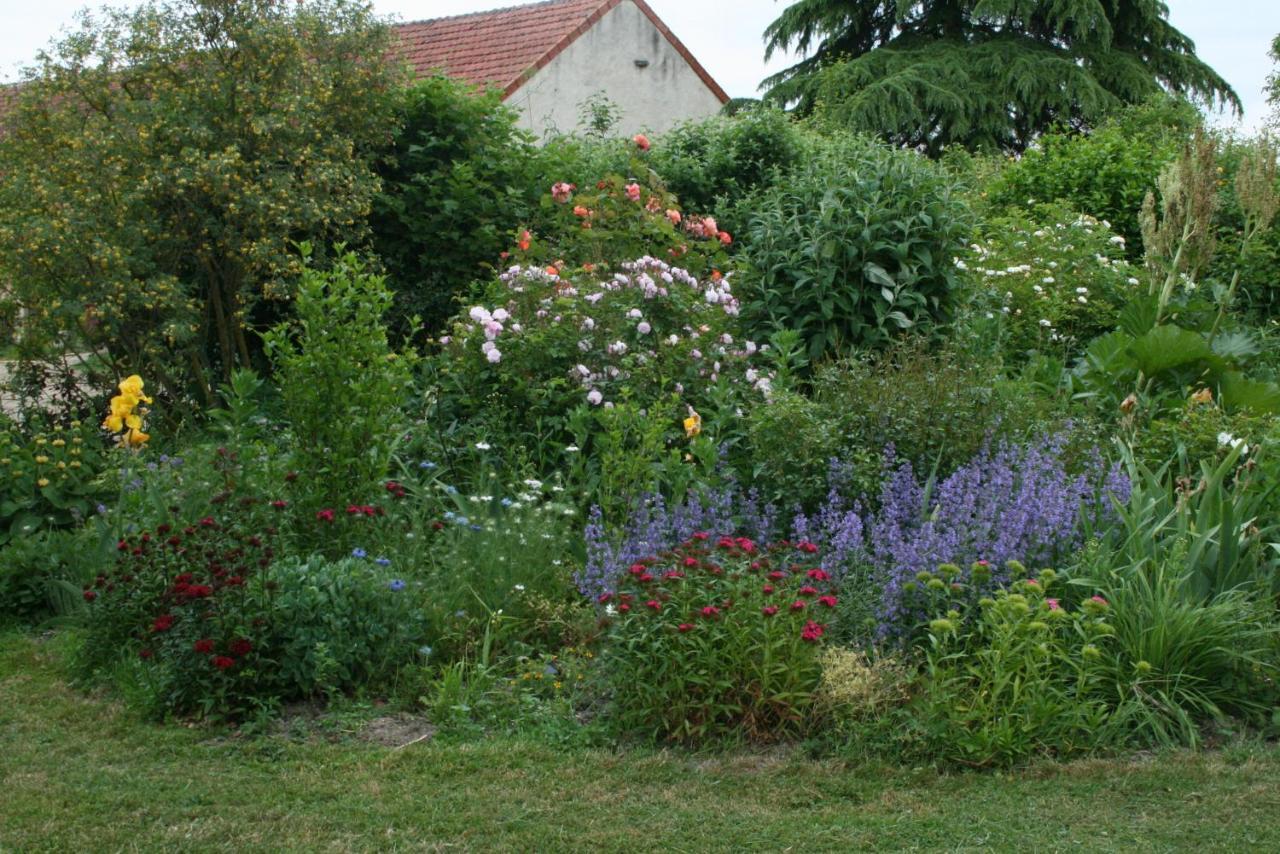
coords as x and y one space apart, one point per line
854 247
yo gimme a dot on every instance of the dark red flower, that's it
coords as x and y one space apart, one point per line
222 662
769 610
235 581
184 578
691 562
624 608
90 595
653 605
701 535
241 647
673 573
279 504
812 631
808 590
353 510
174 541
807 547
819 575
710 612
122 546
290 477
208 522
162 623
145 654
204 646
604 597
798 605
645 578
637 569
437 526
684 627
829 601
767 589
777 575
325 515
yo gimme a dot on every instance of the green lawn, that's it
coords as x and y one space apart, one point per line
80 774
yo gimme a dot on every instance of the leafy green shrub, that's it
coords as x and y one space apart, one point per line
334 626
1048 281
50 476
1106 173
341 382
712 164
719 638
458 180
1018 675
42 575
935 408
853 247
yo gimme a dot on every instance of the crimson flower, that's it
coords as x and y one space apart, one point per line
222 662
684 627
807 547
162 623
829 601
144 654
241 647
777 575
624 607
645 579
653 604
798 605
767 589
279 504
701 535
325 515
90 595
710 611
691 562
808 590
637 569
769 610
818 575
204 646
604 597
812 631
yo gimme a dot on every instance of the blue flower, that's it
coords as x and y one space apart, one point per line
507 502
476 528
101 508
452 490
424 651
383 561
426 464
396 584
357 552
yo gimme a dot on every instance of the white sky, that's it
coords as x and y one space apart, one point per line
1233 36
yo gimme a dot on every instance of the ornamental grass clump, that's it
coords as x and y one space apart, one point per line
718 638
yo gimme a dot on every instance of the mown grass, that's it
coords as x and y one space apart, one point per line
78 773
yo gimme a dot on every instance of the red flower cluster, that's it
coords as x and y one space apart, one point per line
396 489
812 631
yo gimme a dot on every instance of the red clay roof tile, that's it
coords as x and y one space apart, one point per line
502 48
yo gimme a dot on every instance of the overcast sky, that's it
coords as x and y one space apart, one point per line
1233 36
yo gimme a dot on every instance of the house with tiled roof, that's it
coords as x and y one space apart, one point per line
550 58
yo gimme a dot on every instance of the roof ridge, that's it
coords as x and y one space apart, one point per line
495 11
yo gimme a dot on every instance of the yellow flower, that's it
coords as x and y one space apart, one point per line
692 424
42 482
42 459
58 443
136 437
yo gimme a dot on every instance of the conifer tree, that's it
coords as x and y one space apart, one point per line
981 73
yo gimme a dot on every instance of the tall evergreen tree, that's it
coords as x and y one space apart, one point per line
981 73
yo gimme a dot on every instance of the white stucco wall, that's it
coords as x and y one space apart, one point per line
654 98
